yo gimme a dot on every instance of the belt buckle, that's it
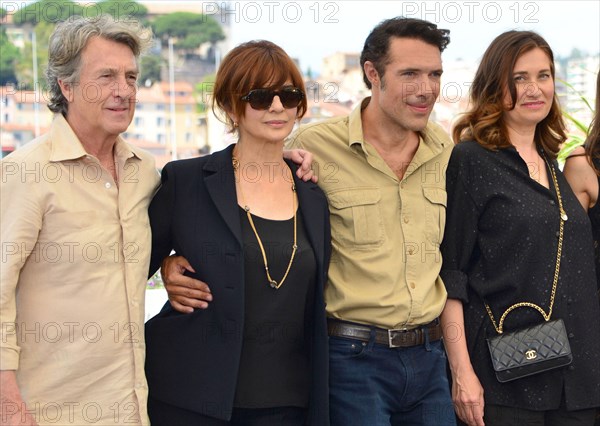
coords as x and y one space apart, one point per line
391 337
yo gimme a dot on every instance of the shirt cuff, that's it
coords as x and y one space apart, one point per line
9 359
456 283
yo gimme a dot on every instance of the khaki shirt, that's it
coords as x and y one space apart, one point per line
386 232
75 255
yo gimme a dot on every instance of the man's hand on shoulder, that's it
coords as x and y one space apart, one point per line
304 159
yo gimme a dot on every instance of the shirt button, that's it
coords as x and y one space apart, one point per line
402 185
571 335
412 285
552 202
571 368
107 185
406 219
410 251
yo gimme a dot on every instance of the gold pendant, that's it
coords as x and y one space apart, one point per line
564 216
273 284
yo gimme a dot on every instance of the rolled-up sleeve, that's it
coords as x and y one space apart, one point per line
459 245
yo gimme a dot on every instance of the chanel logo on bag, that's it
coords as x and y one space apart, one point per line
531 354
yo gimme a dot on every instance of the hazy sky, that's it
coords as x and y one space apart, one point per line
309 30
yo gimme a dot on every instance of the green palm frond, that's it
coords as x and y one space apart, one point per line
569 146
573 140
583 98
581 126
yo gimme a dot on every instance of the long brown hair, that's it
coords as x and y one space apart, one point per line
592 143
484 122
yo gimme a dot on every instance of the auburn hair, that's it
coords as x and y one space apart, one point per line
253 65
485 122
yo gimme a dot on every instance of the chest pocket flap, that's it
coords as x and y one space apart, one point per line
435 212
356 217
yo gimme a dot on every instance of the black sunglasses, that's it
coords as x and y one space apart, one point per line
259 99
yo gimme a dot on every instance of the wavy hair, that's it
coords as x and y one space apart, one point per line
485 122
70 38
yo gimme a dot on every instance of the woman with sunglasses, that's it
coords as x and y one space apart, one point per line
259 237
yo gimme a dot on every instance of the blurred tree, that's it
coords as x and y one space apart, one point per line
190 29
204 91
9 56
24 68
150 69
309 73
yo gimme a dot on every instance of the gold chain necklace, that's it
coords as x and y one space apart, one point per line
563 218
274 284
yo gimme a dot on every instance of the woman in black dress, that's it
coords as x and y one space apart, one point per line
506 201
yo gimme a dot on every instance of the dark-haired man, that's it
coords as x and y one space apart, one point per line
382 168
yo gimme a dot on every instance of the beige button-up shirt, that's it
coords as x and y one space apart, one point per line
75 253
386 232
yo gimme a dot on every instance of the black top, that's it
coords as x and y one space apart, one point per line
274 365
500 244
594 214
192 360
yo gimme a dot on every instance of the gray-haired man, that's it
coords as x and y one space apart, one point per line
76 241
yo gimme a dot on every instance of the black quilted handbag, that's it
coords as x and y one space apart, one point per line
537 348
529 351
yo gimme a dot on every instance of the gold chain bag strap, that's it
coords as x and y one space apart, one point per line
538 348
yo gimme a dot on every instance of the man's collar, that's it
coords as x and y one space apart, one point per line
65 144
355 129
433 135
126 150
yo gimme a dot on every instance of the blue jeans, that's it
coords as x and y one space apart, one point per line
373 385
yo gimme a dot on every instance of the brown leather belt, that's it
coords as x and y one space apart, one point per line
397 338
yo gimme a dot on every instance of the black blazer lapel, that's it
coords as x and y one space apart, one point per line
220 184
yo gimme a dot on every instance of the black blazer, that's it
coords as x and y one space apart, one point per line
192 359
